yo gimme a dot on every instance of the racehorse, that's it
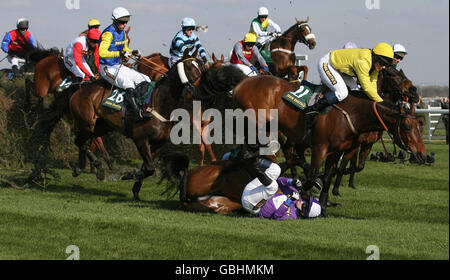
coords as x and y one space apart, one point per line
395 87
155 66
214 188
94 120
282 50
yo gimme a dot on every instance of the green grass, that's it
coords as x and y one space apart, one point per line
401 208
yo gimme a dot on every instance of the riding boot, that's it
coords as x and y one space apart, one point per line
312 111
15 71
133 107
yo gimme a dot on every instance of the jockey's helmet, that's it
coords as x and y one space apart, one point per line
94 34
187 22
250 38
93 23
121 14
311 209
384 52
263 11
22 23
399 49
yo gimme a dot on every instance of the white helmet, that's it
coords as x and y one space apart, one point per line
187 21
120 13
350 45
22 23
314 209
399 48
263 11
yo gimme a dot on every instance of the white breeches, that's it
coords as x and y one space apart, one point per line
70 64
122 76
332 78
256 194
16 61
246 70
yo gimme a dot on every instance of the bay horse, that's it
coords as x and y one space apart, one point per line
155 66
49 73
94 120
282 50
214 188
397 88
331 133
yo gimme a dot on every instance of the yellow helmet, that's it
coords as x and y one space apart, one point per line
384 49
93 22
250 38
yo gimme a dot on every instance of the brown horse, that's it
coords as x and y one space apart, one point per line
49 73
395 87
150 136
282 50
331 132
214 188
156 69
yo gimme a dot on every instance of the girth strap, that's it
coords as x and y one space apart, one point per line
347 117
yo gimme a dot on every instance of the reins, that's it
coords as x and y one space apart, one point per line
152 63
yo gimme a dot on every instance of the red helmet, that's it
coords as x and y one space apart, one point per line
94 34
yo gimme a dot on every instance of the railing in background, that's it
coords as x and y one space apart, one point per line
434 117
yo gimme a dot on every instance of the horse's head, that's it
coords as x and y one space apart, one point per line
217 62
190 68
397 86
305 34
408 134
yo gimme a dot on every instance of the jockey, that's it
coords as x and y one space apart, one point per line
92 24
260 25
399 54
16 43
185 38
264 186
361 63
114 47
287 203
244 52
74 56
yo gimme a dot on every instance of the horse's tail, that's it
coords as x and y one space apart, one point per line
35 55
173 163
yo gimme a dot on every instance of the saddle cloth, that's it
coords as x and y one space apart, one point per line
115 99
301 98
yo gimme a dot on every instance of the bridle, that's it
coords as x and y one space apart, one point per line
306 39
397 135
199 67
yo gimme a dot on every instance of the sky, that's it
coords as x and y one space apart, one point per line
422 26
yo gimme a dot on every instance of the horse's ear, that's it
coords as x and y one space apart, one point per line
214 58
307 19
298 22
186 52
222 57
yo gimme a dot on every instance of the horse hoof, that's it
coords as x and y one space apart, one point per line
76 172
352 186
101 174
336 193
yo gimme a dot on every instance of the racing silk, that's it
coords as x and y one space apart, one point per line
241 56
275 208
79 48
260 29
181 42
112 42
357 63
14 42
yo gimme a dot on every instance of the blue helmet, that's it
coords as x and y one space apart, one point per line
186 22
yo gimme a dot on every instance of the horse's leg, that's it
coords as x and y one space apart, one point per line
330 167
201 147
301 160
210 152
147 169
221 204
339 174
304 69
97 164
363 154
97 143
93 148
80 140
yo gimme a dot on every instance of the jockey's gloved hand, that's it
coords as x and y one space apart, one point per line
294 196
266 69
298 183
254 68
136 53
124 55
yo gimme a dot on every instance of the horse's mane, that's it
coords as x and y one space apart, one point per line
35 55
153 55
216 81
